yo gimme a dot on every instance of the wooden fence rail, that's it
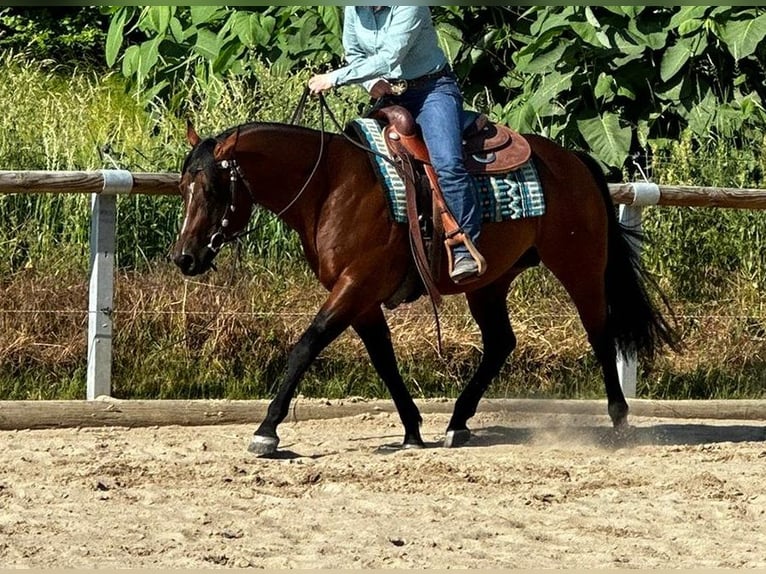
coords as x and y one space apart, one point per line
105 185
167 184
688 196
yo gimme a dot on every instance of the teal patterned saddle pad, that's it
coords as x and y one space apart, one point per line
514 195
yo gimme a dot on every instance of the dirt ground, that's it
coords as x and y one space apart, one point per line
530 491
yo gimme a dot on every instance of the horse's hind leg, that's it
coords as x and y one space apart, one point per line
587 288
374 332
488 308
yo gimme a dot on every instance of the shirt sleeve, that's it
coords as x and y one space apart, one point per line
400 36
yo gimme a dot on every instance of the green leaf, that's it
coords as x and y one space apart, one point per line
240 24
550 88
743 36
148 56
603 89
702 115
331 17
130 61
552 23
206 14
522 118
177 30
626 92
449 40
688 27
265 30
115 34
588 33
627 43
542 62
302 40
282 65
159 18
591 17
642 131
606 138
150 93
687 13
208 44
674 59
631 11
651 33
227 57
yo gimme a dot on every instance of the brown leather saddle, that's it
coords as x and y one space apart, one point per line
488 149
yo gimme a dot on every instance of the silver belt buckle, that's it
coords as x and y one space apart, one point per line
398 87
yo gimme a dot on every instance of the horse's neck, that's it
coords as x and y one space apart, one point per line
281 163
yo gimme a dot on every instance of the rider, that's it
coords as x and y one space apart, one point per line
384 44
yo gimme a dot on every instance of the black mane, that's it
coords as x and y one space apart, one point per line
254 126
200 158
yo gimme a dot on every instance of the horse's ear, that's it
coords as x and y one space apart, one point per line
223 149
191 134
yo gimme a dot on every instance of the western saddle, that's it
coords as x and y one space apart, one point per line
488 149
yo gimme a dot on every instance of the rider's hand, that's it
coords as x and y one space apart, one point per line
380 88
320 83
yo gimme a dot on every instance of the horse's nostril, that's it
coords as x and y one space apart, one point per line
185 262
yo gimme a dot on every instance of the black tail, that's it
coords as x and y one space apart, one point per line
634 321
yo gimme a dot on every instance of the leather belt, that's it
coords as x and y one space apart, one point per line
398 87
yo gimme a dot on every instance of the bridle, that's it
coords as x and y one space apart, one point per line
221 237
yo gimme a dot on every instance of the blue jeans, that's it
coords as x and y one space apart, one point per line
438 110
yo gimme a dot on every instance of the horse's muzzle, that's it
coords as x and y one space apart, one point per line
191 265
187 263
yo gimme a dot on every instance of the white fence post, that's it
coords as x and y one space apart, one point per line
100 297
644 193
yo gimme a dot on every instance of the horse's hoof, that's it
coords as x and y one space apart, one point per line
455 438
263 445
413 446
621 425
618 412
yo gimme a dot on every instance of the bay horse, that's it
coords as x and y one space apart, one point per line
324 188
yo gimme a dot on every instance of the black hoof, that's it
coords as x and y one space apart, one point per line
618 412
263 445
456 438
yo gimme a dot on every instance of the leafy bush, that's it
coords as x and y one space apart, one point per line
70 36
605 78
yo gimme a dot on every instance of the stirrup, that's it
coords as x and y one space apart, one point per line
461 238
465 268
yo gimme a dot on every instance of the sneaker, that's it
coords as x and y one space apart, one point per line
465 267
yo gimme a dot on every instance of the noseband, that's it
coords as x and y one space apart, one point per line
221 237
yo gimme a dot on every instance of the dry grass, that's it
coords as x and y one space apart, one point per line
228 334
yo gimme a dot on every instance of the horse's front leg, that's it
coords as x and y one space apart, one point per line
327 325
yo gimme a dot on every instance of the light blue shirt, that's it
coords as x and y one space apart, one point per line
396 42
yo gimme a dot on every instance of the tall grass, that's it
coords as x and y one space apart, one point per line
702 253
227 334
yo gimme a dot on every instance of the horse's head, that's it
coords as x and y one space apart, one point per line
217 201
